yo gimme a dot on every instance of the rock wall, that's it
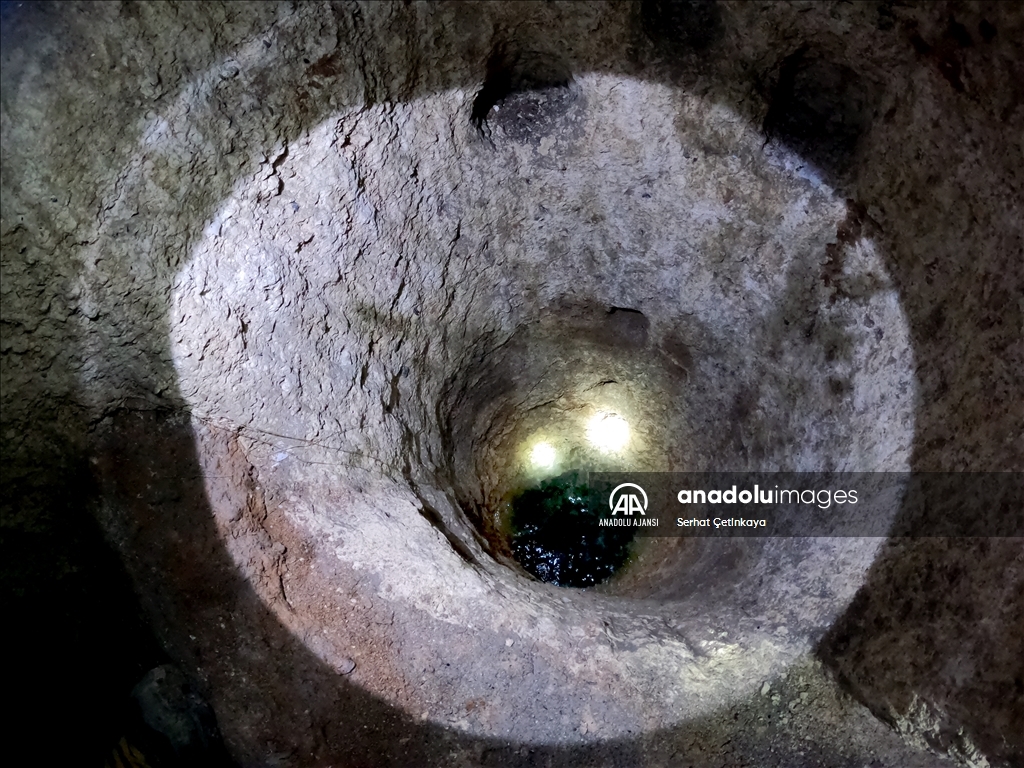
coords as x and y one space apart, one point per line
287 288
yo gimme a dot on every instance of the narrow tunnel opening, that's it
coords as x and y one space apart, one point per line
588 394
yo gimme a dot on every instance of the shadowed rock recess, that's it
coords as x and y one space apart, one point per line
296 294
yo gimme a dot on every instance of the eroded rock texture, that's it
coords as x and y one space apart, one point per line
287 288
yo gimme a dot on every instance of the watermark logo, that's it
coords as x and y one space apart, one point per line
628 503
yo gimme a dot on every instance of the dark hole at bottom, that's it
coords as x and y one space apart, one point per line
554 534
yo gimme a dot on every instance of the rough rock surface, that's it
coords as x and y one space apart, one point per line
297 284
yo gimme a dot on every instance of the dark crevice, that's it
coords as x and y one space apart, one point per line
819 109
525 93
